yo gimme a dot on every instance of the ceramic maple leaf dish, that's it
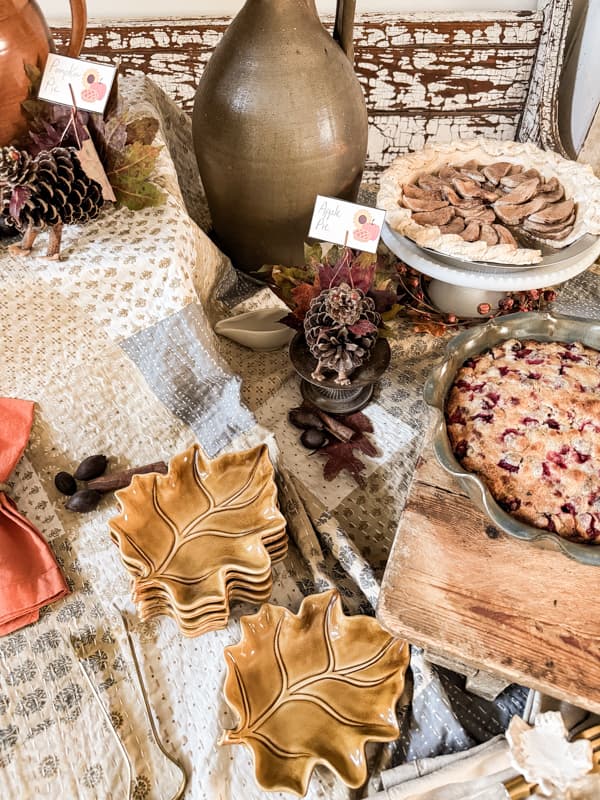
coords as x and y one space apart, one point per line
204 534
312 688
489 200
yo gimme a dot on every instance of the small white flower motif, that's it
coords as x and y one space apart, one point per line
543 755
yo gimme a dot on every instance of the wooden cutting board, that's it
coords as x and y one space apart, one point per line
461 588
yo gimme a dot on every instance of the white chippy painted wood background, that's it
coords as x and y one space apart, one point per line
425 76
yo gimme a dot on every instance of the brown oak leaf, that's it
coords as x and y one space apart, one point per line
437 329
312 688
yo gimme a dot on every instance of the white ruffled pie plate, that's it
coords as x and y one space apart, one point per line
554 269
578 180
459 287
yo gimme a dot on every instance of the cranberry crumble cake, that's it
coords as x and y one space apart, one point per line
525 416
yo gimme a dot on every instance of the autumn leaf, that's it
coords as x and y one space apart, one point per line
365 445
340 458
295 712
129 174
313 254
34 75
19 196
303 295
335 269
362 327
359 422
436 329
287 278
115 135
266 271
45 138
362 271
335 255
142 129
329 276
392 312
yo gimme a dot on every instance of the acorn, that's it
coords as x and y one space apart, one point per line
91 467
313 439
65 483
83 501
304 418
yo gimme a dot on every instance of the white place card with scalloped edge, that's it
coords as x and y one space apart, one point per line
341 222
89 82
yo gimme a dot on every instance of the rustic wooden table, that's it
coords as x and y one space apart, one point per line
462 589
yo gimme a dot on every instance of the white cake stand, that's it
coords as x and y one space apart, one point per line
460 287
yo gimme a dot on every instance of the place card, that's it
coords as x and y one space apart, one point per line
71 81
350 224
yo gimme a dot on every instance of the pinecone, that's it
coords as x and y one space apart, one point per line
341 330
49 190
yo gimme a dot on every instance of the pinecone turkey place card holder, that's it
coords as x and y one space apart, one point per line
48 190
56 187
340 355
57 178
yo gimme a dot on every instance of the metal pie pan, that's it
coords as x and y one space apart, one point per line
544 327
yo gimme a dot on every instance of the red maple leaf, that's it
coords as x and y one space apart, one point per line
359 422
340 456
362 327
362 271
20 195
332 275
302 295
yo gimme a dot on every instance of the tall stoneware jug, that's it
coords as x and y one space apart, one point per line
25 39
279 117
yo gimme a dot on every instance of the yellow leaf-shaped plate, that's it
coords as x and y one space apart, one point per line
312 688
201 534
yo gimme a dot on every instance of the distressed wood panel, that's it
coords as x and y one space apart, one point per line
425 76
449 79
390 136
441 30
456 585
402 64
540 117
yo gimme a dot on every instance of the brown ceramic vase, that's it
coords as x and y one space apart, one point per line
25 39
279 118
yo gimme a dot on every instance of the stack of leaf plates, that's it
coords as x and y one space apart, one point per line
201 536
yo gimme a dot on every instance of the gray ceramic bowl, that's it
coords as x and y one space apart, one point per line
543 327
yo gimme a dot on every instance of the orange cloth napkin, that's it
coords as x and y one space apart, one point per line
29 575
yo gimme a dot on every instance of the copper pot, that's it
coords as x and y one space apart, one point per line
279 117
25 39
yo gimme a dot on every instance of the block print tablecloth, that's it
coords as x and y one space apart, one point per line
115 345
